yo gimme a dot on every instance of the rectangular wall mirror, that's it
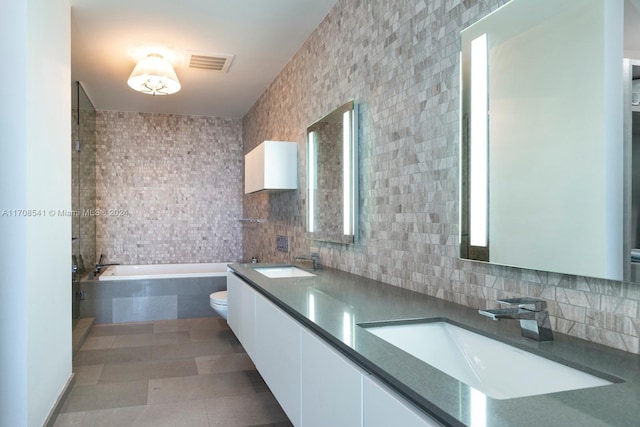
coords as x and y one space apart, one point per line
332 183
542 138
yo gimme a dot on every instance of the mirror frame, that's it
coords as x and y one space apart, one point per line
350 174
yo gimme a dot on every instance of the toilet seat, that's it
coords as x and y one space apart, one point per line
218 302
218 298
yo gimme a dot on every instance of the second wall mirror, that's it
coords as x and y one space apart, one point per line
332 183
541 164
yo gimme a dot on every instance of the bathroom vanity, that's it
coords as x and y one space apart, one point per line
308 337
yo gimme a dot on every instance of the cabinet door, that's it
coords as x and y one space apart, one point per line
241 311
331 386
383 407
278 355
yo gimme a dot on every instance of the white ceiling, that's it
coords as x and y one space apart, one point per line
262 34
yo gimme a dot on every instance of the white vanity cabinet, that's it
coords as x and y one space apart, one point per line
331 386
316 385
241 312
277 355
383 408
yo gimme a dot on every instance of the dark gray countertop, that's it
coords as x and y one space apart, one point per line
333 303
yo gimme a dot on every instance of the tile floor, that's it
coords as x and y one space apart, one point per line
185 372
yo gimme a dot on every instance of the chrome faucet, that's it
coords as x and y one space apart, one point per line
314 258
530 312
100 265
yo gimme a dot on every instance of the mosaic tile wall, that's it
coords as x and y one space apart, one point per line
169 188
399 60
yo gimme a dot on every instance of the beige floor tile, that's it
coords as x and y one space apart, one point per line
122 329
104 396
191 350
209 323
224 363
183 372
204 334
257 382
119 417
88 374
148 370
133 340
172 351
222 335
173 325
139 340
178 325
112 355
190 413
249 410
99 342
198 387
72 419
181 337
205 348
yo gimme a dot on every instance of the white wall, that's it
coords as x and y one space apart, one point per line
13 320
35 173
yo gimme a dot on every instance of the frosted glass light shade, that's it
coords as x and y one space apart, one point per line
154 75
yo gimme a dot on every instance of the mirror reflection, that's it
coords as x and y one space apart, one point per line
542 138
632 169
331 176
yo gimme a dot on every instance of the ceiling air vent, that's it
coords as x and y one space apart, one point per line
210 61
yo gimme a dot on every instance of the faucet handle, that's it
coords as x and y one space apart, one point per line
528 303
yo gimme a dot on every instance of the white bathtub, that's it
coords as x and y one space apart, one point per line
163 271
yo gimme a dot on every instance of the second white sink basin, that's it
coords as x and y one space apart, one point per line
492 367
283 272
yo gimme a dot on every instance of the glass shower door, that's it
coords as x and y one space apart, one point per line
83 192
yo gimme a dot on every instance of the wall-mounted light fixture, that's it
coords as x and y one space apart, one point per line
347 173
154 75
479 143
312 185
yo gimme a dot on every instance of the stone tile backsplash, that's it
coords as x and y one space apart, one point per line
399 59
169 188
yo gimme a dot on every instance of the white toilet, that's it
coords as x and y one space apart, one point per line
218 301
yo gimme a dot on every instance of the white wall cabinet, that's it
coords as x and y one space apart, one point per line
272 165
331 386
278 355
383 408
241 312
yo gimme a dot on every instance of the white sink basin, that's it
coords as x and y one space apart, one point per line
492 367
283 272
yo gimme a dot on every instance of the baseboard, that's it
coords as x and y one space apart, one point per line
53 415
